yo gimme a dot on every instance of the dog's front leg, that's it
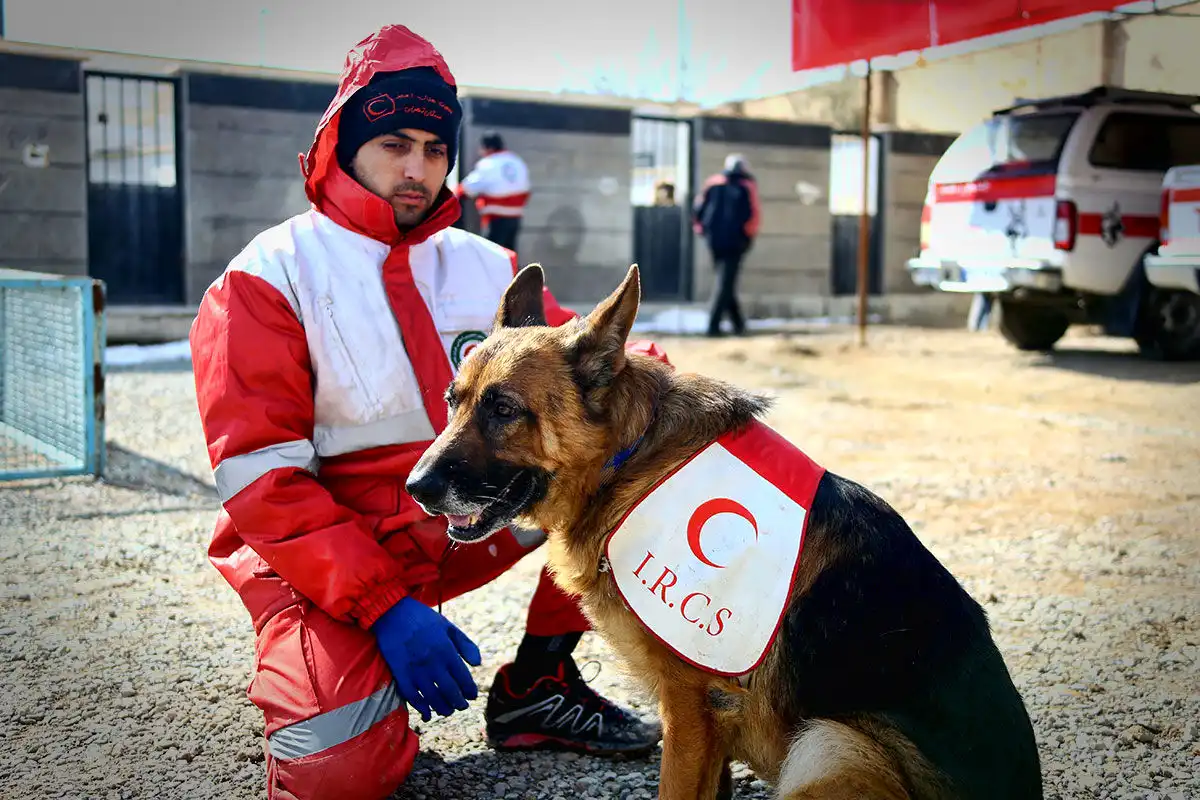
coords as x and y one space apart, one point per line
692 760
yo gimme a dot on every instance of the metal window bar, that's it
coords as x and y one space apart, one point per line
52 333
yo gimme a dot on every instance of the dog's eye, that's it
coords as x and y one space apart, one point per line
504 409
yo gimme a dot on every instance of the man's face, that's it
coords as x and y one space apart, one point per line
406 168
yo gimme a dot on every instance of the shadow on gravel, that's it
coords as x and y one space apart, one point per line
546 774
129 470
1121 366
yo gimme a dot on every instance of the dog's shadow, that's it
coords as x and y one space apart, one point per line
480 773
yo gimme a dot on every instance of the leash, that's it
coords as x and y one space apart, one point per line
614 464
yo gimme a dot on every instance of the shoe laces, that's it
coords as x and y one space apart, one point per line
585 666
590 695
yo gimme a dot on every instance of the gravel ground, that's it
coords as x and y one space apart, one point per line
1062 490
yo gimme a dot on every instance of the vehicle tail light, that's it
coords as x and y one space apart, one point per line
1164 218
1066 225
926 225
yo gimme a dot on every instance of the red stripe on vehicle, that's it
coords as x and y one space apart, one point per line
991 189
1137 226
1189 195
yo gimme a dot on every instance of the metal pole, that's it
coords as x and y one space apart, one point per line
864 220
1 19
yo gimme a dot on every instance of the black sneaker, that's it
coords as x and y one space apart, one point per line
561 712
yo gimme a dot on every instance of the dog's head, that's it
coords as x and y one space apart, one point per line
527 421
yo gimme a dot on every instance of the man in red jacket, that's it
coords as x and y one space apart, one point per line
321 357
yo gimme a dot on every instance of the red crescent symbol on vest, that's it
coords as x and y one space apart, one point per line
708 510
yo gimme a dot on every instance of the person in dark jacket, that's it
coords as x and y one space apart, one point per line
727 215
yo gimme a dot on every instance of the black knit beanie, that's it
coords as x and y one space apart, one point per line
412 98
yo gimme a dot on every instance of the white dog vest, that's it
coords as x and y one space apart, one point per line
706 560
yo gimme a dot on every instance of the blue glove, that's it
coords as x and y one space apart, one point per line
425 653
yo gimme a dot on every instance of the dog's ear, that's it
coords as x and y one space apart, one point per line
522 303
599 349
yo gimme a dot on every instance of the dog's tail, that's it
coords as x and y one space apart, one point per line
834 761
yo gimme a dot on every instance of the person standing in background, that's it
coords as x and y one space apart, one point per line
664 193
499 184
727 214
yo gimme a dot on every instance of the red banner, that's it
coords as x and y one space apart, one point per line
827 33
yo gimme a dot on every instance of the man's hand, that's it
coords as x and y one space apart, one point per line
425 653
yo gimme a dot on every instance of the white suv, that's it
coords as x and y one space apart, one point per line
1174 271
1050 206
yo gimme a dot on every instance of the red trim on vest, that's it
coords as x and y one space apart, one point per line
780 462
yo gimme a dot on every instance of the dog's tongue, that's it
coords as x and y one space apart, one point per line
458 520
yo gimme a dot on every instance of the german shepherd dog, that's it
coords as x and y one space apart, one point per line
882 681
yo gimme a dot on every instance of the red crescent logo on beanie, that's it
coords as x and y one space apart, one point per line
379 107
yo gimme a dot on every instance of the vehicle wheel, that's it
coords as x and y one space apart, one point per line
1168 325
1031 327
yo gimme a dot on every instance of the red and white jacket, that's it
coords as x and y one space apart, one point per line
500 185
321 357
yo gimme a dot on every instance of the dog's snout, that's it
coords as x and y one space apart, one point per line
428 486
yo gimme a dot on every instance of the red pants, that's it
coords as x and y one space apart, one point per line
335 727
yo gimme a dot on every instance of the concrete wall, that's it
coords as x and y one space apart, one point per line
242 138
838 104
908 160
791 255
951 93
1156 53
955 93
43 210
1160 53
579 223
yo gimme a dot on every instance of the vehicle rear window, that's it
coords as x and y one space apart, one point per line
1146 142
1027 142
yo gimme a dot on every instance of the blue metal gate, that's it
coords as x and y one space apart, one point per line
52 336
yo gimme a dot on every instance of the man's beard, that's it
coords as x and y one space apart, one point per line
408 215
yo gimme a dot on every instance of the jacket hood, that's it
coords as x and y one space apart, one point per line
390 49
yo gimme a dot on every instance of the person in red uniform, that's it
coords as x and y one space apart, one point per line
321 357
